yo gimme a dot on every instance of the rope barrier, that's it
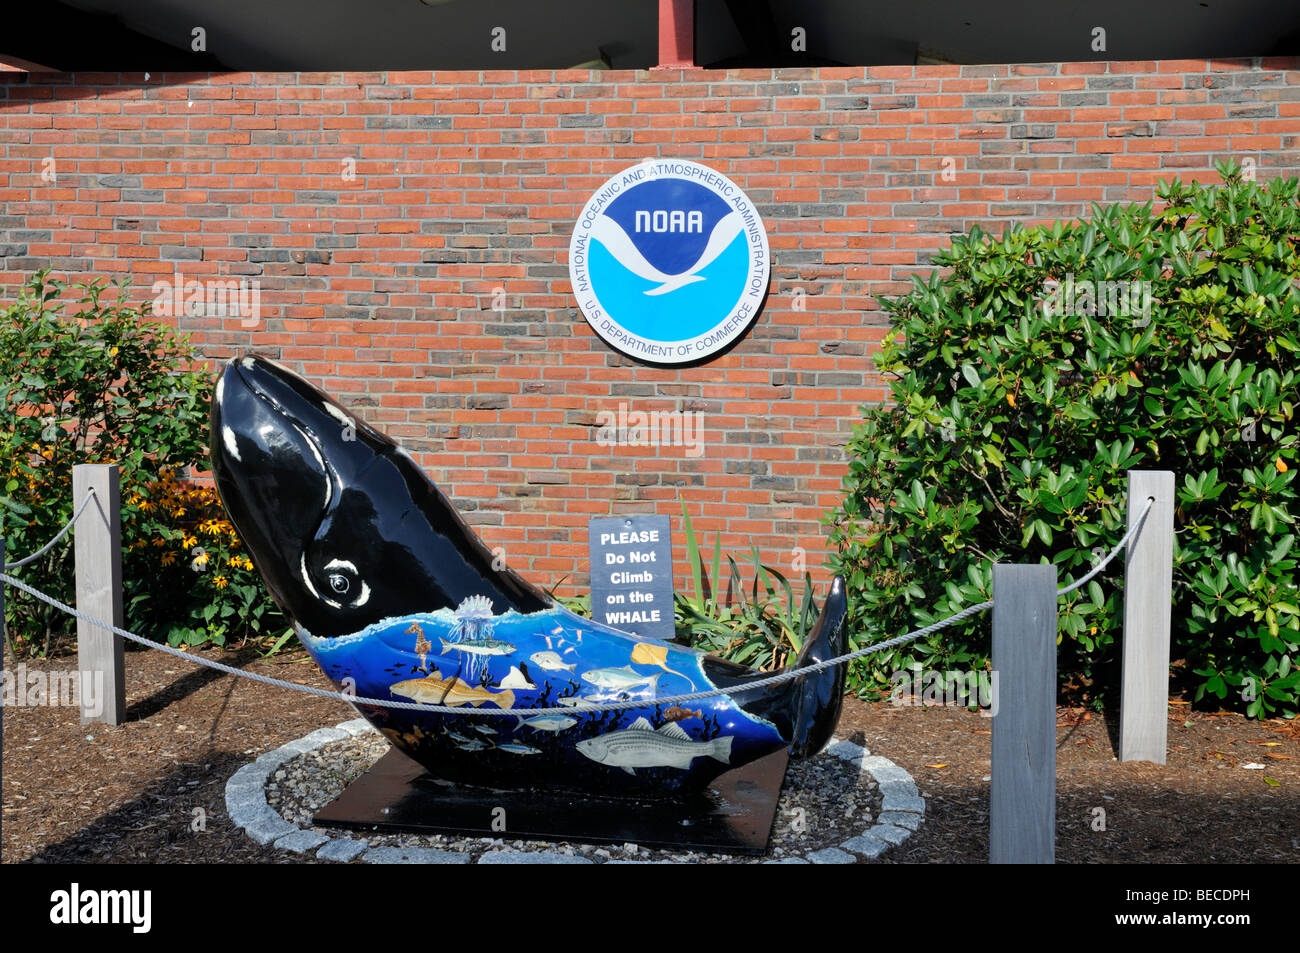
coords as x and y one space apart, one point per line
58 536
1124 541
775 679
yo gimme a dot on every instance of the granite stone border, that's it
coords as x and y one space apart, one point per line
901 814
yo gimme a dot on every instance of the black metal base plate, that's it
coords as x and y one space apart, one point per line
397 794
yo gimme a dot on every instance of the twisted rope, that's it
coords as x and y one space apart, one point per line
775 679
58 536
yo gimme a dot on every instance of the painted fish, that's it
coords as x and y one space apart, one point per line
647 653
681 714
519 749
551 661
479 647
641 746
620 679
434 690
547 723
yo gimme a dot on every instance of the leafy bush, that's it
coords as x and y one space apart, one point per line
109 386
759 629
196 551
1020 396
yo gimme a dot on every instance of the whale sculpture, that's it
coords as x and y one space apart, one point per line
396 598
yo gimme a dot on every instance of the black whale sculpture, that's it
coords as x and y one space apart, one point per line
394 596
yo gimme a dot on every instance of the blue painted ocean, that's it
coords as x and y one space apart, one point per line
537 660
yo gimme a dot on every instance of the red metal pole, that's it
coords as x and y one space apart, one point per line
676 34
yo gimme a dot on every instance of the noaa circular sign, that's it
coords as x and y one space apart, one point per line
669 261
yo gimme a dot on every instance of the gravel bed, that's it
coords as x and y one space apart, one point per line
824 801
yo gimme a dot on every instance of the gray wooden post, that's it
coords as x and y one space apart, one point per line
1022 810
1148 596
98 550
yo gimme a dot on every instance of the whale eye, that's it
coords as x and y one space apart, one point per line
339 584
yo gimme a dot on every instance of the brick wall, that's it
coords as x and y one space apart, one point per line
381 285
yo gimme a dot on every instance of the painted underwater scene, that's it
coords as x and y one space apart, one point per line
472 659
396 597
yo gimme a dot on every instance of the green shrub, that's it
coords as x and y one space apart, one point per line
109 386
196 550
1018 405
764 628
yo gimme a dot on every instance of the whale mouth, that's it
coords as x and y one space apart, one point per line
343 525
281 454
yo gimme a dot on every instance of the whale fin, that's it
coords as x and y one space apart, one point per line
821 694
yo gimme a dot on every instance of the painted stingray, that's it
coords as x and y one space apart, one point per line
395 597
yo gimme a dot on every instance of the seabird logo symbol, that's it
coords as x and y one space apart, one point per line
669 261
610 234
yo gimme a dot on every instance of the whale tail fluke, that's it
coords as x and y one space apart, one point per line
820 696
804 710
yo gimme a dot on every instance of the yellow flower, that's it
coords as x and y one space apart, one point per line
199 561
1281 465
168 558
219 582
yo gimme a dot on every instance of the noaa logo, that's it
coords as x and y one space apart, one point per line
669 261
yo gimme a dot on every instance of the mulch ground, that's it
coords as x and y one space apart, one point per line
153 789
